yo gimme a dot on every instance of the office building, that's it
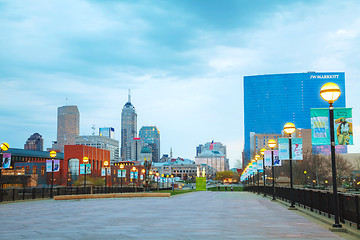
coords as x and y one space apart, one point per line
216 146
150 136
128 129
272 100
101 142
108 132
35 142
68 126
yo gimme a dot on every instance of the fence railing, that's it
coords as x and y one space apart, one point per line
318 200
15 194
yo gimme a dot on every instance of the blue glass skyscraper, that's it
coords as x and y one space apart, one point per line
272 100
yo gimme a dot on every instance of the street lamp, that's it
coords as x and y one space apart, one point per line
330 92
262 152
289 128
52 155
4 147
272 144
85 160
257 157
143 171
106 164
134 170
157 177
121 176
172 178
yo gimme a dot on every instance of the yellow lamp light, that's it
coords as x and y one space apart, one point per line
4 146
121 166
305 172
330 92
289 128
85 159
143 171
106 163
134 169
52 154
262 151
271 143
257 157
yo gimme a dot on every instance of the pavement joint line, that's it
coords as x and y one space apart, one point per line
348 229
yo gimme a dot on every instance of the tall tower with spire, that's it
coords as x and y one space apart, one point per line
128 129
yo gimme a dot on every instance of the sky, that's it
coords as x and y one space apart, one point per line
183 60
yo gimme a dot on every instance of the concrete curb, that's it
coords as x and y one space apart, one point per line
112 195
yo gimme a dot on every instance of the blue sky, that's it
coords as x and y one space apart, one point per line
183 60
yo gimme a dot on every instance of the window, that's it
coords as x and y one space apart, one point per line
27 170
42 170
34 169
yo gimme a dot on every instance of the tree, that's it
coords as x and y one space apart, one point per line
221 176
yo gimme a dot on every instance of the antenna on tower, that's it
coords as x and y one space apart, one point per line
129 98
170 152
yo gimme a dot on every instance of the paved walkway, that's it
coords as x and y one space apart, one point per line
199 215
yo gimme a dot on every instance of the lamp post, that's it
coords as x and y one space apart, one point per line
144 178
330 92
257 157
289 128
172 178
106 164
85 160
157 177
134 170
121 176
272 144
52 155
4 147
262 152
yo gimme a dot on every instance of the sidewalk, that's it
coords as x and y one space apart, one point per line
198 215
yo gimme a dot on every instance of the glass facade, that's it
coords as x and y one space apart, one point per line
150 136
272 100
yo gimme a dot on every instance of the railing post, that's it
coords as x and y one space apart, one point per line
341 207
357 212
13 194
311 200
329 204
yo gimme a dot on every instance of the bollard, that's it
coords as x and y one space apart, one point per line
357 212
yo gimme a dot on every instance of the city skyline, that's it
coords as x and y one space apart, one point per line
184 62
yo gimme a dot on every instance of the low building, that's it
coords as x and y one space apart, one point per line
214 159
101 142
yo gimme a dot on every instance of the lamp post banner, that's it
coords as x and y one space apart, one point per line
103 172
82 168
320 133
6 161
297 149
283 148
49 165
277 161
343 126
260 165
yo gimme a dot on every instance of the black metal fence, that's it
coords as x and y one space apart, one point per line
318 200
15 194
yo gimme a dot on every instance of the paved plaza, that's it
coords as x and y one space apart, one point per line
198 215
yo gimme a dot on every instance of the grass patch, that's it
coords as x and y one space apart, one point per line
223 188
176 192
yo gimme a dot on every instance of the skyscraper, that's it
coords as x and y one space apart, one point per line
150 136
35 142
272 100
128 129
67 126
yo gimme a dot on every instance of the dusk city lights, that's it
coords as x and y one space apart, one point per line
179 119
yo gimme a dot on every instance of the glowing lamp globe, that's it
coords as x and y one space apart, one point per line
271 143
257 157
289 128
262 151
330 92
4 146
52 154
85 159
106 163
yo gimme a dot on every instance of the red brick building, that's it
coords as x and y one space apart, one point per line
74 155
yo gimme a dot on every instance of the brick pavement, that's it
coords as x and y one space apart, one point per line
199 215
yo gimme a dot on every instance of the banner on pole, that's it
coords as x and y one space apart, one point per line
296 149
49 165
343 126
283 144
320 127
277 161
260 164
6 161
